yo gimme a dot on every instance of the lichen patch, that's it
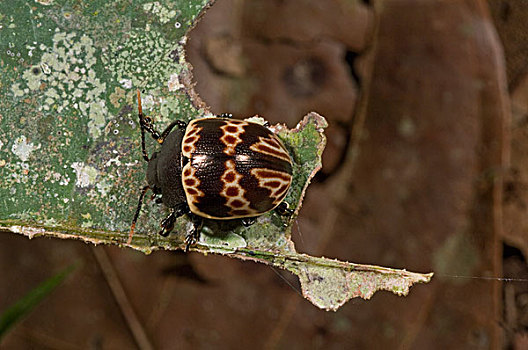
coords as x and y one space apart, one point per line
86 174
65 79
22 148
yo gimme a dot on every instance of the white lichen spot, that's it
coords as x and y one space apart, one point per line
30 232
126 83
147 101
15 89
256 119
174 83
64 181
103 187
44 2
22 149
55 176
115 161
86 174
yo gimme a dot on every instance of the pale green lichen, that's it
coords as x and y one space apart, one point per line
67 78
226 244
86 174
146 60
104 186
164 14
326 287
143 60
15 89
22 148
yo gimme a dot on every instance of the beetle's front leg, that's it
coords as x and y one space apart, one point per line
167 224
146 124
284 210
180 124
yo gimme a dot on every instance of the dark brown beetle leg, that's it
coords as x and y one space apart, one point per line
146 124
180 124
138 210
284 211
249 221
167 224
193 236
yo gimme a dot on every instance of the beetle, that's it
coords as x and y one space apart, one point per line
215 168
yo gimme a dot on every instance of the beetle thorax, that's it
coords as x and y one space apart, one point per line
164 170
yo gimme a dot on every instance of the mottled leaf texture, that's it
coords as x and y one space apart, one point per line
70 160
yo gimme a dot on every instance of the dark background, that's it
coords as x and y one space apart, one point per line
425 169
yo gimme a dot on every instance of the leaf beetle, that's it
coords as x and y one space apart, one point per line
215 168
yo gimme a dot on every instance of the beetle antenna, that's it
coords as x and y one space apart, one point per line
142 127
140 109
138 210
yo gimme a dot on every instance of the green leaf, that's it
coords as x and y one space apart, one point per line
25 305
70 150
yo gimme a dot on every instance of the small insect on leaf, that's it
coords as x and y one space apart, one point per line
214 168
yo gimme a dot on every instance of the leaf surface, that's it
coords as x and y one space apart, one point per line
70 150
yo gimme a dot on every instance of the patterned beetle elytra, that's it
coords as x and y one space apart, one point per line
233 169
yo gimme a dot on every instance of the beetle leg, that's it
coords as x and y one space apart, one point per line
167 224
193 236
147 124
225 115
284 211
180 124
249 221
138 210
